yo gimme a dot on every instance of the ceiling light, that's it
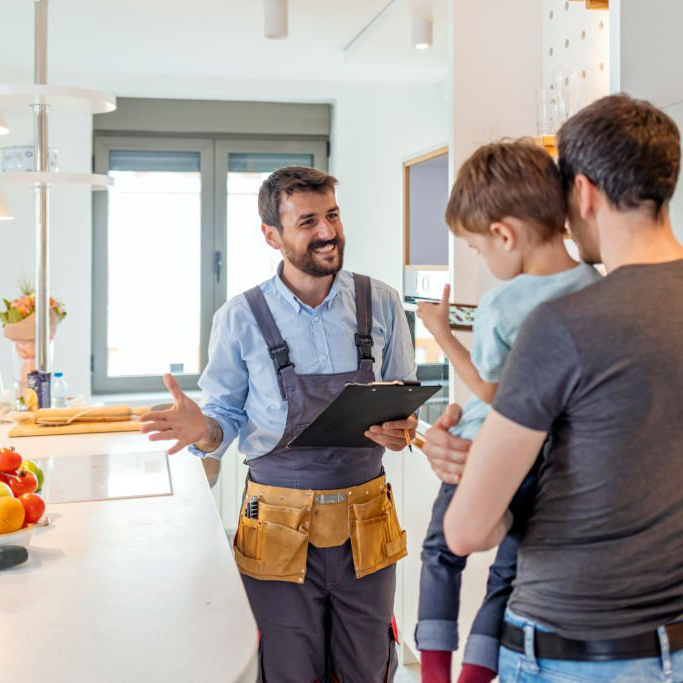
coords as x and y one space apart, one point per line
5 213
423 33
275 19
4 128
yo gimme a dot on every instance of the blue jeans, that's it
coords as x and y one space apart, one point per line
514 667
440 579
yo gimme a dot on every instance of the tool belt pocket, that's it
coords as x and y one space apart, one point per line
274 546
377 539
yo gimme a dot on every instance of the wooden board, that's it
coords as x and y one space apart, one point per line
27 429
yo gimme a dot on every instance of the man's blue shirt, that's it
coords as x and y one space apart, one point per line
239 383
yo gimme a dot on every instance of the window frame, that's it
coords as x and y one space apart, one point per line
214 152
101 381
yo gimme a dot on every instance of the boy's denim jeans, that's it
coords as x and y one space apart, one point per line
440 579
514 667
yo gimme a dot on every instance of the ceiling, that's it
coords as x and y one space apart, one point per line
224 39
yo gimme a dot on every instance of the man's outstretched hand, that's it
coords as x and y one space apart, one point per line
184 422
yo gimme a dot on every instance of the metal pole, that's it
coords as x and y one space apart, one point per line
42 206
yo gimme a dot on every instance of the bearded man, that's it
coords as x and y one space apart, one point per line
318 536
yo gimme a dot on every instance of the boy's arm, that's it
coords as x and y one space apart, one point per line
460 357
435 319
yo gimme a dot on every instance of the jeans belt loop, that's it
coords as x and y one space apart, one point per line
529 652
667 666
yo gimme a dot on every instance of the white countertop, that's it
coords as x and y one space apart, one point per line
126 591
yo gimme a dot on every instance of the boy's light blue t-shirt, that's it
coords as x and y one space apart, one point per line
500 314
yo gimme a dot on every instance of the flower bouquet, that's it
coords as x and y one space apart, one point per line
19 326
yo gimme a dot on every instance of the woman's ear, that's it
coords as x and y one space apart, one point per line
504 234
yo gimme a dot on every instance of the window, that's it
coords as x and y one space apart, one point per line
178 234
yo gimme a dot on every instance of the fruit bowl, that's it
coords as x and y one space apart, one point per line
23 536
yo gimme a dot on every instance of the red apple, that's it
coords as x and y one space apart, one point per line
10 460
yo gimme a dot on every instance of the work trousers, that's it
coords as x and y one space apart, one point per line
333 627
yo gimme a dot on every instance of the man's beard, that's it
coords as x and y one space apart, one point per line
307 262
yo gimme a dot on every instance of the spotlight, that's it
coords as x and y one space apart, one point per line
4 129
275 19
423 33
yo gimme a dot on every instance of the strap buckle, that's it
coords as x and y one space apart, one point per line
364 343
280 354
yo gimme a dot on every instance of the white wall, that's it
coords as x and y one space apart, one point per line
70 214
647 63
375 127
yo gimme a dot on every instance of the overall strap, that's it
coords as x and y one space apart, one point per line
277 346
363 336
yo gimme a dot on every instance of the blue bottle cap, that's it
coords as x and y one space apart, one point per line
58 374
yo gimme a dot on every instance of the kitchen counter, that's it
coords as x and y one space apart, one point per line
135 590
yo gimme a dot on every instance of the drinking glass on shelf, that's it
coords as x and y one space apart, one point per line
567 82
547 112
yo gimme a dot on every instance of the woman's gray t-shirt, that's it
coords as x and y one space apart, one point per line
602 371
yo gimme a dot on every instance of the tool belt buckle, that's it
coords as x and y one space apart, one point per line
330 498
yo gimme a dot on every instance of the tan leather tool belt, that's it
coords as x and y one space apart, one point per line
274 545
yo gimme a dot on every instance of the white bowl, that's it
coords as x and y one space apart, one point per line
23 536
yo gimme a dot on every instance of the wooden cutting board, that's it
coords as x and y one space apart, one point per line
30 429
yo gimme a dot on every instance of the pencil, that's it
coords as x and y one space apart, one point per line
408 441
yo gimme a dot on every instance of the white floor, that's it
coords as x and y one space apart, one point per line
408 674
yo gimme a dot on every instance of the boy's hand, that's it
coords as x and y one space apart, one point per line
435 316
446 452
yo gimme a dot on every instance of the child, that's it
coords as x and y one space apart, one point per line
507 204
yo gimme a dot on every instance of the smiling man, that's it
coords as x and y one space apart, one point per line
318 536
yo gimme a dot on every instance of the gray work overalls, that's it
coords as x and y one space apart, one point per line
332 626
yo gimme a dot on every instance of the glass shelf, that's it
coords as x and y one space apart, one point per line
96 181
58 96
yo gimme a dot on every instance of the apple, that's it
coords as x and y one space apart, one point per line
5 490
23 482
10 460
32 467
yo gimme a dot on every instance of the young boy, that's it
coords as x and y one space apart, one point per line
507 204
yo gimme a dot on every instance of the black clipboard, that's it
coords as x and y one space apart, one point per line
344 421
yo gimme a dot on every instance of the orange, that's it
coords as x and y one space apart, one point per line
11 514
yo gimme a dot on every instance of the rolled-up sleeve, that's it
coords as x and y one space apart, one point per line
225 380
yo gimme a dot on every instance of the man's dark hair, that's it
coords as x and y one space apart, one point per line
286 181
627 148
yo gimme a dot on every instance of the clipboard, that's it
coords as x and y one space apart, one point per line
343 422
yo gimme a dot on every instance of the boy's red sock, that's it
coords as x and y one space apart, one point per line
471 673
436 666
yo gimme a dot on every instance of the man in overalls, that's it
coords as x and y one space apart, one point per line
318 536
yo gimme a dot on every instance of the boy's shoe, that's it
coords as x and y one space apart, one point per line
436 666
471 673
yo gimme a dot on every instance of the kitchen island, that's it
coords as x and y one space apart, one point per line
132 590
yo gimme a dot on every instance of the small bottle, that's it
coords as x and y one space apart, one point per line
59 389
